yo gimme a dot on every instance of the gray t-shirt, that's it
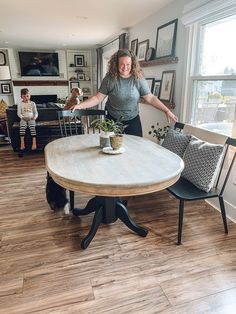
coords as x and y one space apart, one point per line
123 95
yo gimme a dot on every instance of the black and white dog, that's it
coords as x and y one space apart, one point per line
56 196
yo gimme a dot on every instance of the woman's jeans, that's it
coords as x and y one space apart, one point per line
134 126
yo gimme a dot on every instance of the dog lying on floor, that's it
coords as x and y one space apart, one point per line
56 196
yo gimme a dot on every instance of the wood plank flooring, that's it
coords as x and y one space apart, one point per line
43 269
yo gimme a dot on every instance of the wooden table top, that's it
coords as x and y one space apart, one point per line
78 164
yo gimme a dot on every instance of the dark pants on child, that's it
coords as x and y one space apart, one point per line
134 126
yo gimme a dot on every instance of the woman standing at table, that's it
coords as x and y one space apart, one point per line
124 84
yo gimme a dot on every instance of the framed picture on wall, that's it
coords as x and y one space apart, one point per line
142 49
166 39
150 82
79 61
167 86
134 46
6 88
2 58
156 89
81 76
74 84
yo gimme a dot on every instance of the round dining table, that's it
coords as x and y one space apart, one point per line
78 164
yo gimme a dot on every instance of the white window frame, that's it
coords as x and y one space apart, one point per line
196 14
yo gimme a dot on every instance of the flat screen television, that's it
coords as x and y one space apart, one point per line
39 63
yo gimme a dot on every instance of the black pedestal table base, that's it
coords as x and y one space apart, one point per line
107 210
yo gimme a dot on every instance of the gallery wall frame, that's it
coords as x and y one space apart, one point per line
167 86
142 49
2 58
150 81
79 60
6 88
156 88
166 39
134 46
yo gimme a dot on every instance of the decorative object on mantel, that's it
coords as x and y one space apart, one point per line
158 132
166 39
167 86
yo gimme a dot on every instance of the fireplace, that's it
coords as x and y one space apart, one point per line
43 99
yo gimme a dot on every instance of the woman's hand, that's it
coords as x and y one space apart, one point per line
171 117
73 108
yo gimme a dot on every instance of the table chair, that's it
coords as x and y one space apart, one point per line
184 190
78 121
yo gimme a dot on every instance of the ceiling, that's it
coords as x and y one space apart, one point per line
69 24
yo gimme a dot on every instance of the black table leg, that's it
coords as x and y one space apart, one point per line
97 219
122 214
107 210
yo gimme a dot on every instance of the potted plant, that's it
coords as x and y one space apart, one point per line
158 132
108 128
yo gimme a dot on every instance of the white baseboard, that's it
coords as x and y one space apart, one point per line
230 209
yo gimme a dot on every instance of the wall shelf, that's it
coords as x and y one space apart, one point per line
41 83
168 60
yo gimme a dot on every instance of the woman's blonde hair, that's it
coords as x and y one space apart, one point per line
136 70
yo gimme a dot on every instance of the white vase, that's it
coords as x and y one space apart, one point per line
105 139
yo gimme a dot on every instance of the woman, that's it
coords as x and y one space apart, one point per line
124 84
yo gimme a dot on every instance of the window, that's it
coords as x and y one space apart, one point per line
212 77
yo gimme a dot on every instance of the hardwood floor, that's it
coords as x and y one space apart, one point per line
43 269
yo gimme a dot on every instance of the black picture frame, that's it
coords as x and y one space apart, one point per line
142 49
150 81
74 84
134 46
79 60
6 88
156 88
167 86
166 40
81 76
2 58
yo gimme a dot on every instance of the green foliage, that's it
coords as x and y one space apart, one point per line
158 132
108 125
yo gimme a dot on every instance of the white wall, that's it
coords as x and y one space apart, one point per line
147 29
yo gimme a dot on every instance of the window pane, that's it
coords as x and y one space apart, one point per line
215 105
219 48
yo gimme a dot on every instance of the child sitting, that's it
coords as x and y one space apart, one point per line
74 98
27 112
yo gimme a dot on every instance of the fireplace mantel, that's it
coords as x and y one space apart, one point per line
41 83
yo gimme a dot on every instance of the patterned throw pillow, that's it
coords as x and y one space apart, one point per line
176 142
202 161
